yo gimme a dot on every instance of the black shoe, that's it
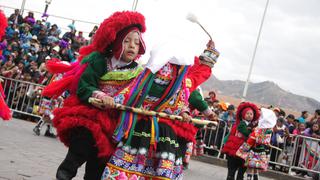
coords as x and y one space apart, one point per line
185 166
69 166
36 130
230 178
64 175
49 134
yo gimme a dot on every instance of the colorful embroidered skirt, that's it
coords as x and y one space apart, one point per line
257 160
139 159
253 159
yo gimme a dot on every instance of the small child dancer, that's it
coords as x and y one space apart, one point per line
255 150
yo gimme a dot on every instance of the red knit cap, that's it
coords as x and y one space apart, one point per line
118 43
243 114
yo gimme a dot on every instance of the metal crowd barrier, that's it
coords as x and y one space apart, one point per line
23 97
213 138
281 160
306 155
299 153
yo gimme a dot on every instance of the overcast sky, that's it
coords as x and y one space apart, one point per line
288 53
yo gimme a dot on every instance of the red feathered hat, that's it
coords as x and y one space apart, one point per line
110 27
107 32
3 24
244 107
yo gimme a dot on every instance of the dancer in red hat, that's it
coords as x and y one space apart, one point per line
5 112
103 69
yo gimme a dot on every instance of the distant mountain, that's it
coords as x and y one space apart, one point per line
266 92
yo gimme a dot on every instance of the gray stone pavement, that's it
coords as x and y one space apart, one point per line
25 156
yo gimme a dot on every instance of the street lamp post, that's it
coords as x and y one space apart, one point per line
254 53
134 5
48 2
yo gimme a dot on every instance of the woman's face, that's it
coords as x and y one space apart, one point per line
131 46
9 62
315 127
302 127
279 123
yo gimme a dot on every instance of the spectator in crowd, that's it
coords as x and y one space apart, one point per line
36 28
290 123
282 113
229 116
29 19
16 17
42 37
303 117
315 118
280 131
70 35
35 44
80 39
222 107
9 69
54 31
300 129
55 52
277 111
212 95
313 131
92 33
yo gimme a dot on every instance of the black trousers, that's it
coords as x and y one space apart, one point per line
235 164
81 149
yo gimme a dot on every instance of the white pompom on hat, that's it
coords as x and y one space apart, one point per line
267 119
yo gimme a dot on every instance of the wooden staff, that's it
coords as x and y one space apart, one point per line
153 113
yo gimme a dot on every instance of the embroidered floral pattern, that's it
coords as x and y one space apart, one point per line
126 165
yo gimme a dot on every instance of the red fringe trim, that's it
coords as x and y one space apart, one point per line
56 88
3 24
5 112
100 123
56 66
183 130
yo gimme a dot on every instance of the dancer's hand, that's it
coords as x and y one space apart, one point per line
108 102
186 117
210 45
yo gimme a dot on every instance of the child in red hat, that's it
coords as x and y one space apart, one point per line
246 119
255 150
